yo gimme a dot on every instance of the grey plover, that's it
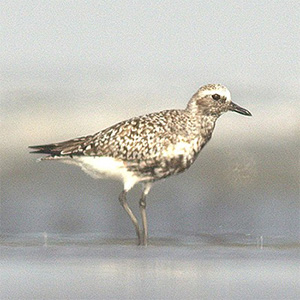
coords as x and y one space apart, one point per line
147 148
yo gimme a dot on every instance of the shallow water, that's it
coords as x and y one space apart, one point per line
43 266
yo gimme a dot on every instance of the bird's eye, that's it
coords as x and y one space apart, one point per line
216 96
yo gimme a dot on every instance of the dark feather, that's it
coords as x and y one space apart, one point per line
46 149
70 147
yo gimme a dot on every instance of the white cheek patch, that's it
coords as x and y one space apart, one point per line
228 96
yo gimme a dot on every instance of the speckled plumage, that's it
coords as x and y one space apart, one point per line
149 147
143 143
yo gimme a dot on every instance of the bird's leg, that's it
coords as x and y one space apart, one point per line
144 219
143 213
123 201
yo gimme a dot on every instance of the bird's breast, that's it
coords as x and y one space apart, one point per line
174 159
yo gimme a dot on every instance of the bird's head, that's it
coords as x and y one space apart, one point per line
213 100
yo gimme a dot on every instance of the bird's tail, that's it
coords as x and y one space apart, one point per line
67 148
53 149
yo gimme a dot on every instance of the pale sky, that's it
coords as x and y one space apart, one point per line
178 42
65 64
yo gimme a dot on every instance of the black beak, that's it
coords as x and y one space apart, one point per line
238 109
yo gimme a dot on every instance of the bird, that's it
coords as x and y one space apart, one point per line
147 148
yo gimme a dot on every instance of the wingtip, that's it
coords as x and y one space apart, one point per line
38 146
36 149
44 149
36 152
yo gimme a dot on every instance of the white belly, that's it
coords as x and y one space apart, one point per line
101 167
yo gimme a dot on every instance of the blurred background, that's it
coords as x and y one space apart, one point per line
72 68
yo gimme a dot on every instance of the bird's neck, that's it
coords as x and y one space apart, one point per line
202 117
204 125
207 125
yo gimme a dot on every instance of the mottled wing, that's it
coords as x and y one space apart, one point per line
139 138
